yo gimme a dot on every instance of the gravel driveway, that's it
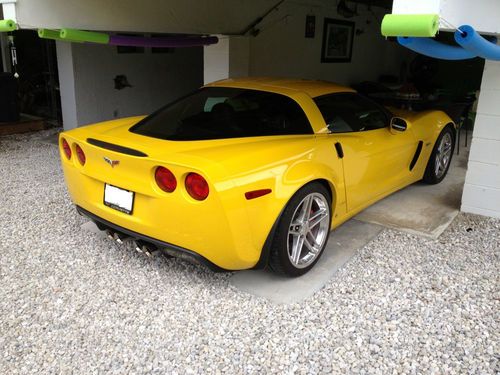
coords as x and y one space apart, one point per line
71 302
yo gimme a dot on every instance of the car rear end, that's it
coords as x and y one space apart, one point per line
199 176
165 201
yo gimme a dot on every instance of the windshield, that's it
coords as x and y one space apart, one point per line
221 112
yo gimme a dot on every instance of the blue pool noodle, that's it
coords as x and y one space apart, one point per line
431 48
471 41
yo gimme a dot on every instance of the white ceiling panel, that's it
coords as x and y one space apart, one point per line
159 16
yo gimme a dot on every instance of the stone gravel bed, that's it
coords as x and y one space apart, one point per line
72 302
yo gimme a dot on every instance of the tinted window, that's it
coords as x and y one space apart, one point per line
220 112
350 112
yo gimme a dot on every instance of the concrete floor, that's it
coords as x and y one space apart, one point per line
342 245
422 209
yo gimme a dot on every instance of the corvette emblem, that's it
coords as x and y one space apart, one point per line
111 162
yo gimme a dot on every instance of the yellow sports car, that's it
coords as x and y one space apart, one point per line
249 173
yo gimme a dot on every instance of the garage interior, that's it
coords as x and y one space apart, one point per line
74 84
54 85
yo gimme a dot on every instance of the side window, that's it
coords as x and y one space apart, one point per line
370 115
350 112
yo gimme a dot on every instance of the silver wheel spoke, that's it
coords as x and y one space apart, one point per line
317 218
438 164
315 247
444 162
298 243
305 209
308 244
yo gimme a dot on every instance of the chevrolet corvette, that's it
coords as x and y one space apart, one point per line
252 172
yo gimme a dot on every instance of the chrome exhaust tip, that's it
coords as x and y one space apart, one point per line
109 234
118 238
146 249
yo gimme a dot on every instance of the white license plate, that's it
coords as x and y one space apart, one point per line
119 199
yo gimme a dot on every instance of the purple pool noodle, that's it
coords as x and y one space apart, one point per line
163 42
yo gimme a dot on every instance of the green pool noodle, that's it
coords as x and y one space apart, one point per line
49 34
84 36
417 25
54 35
7 25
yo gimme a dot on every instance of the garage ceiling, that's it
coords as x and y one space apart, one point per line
173 16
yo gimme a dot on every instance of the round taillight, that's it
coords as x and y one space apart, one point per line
66 148
165 179
80 154
197 186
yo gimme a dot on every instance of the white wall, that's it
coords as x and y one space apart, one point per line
282 50
482 184
228 58
156 79
66 84
216 61
239 50
482 15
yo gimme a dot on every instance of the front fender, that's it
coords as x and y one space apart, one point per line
427 125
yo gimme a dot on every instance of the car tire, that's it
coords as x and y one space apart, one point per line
441 156
302 232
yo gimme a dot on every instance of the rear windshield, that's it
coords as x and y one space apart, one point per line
220 112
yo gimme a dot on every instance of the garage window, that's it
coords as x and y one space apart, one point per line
348 112
221 112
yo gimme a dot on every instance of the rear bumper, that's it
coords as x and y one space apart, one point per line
216 229
180 251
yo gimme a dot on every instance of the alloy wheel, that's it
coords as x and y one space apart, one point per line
308 230
443 155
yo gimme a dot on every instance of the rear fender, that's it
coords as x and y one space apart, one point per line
267 217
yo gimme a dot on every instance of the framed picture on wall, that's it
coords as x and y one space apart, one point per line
338 36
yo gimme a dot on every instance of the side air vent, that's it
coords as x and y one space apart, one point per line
116 148
417 155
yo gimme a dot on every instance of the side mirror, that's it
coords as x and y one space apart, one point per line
398 124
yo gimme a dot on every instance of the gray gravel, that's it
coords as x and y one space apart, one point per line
71 302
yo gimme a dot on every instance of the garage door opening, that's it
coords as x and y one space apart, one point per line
424 84
29 84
